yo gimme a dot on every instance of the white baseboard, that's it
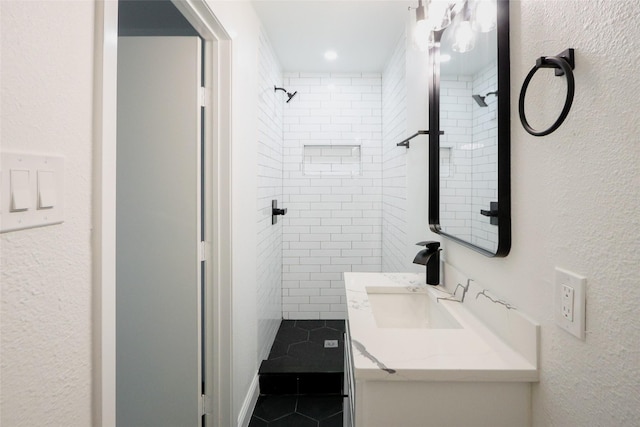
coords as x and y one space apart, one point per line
244 417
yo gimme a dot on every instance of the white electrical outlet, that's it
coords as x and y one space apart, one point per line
567 302
570 302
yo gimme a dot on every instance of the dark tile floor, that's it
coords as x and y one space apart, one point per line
299 347
301 382
297 411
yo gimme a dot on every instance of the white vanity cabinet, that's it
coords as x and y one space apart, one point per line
441 404
417 370
348 407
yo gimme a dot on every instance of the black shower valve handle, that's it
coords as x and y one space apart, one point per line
278 211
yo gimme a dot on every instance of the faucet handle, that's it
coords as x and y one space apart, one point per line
430 244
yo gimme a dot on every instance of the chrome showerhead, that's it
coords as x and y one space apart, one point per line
291 95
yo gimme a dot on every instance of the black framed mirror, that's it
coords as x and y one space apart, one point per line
469 129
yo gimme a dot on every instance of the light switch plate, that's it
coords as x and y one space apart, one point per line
570 302
38 203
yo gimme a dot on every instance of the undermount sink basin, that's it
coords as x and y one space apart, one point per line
394 307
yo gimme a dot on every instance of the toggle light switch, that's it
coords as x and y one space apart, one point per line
47 195
20 187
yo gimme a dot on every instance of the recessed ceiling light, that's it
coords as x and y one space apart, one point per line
330 55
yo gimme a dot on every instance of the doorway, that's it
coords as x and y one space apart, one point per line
209 376
159 285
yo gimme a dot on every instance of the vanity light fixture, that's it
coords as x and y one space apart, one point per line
422 30
464 38
433 17
436 15
440 13
485 16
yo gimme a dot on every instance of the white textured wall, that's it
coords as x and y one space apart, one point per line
241 22
576 204
46 103
334 222
269 256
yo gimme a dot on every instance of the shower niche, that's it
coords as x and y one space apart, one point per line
332 160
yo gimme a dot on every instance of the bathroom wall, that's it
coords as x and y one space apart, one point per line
575 203
394 160
243 26
334 220
45 273
405 181
269 256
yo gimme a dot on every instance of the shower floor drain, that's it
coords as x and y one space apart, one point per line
330 343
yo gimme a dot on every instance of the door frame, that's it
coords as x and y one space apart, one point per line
218 349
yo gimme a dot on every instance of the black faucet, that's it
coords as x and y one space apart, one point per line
431 258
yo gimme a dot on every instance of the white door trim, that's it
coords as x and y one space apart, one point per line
218 225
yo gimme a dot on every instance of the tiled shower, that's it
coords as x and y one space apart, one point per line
332 186
355 202
330 157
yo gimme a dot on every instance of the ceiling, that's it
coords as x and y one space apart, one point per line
362 33
484 53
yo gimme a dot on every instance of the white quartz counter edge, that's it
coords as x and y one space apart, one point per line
472 353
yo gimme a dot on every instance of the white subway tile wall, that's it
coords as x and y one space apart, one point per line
456 120
485 153
269 262
334 222
394 160
469 177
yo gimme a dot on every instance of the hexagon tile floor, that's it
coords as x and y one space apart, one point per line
299 362
297 411
301 382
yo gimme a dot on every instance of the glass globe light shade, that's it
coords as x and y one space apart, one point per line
485 16
465 38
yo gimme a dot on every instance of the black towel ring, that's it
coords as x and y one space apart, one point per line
564 64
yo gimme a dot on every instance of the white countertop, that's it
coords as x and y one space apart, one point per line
471 353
